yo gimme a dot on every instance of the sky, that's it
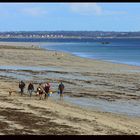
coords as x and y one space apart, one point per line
69 16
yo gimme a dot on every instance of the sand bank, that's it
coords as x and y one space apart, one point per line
25 44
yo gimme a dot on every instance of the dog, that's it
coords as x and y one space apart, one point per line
11 91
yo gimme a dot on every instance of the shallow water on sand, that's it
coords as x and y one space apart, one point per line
25 73
31 68
19 76
131 107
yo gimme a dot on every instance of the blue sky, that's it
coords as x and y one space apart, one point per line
70 16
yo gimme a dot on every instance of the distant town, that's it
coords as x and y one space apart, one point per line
69 34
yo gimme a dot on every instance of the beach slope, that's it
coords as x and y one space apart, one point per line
82 78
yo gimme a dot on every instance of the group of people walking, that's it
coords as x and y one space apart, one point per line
42 89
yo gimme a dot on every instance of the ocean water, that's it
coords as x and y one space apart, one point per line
125 51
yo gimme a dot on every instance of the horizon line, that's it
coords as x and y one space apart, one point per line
65 31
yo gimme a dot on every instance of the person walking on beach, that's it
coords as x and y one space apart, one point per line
30 88
21 86
61 90
40 91
47 90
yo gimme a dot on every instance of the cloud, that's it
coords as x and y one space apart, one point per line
109 12
92 9
34 11
86 8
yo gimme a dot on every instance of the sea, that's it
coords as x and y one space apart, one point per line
120 50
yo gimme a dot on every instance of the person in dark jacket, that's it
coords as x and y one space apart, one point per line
61 89
47 89
21 86
30 88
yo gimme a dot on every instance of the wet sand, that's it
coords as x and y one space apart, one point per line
82 78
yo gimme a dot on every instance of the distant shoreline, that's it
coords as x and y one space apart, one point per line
72 37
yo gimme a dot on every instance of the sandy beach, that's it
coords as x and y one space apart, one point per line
83 78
